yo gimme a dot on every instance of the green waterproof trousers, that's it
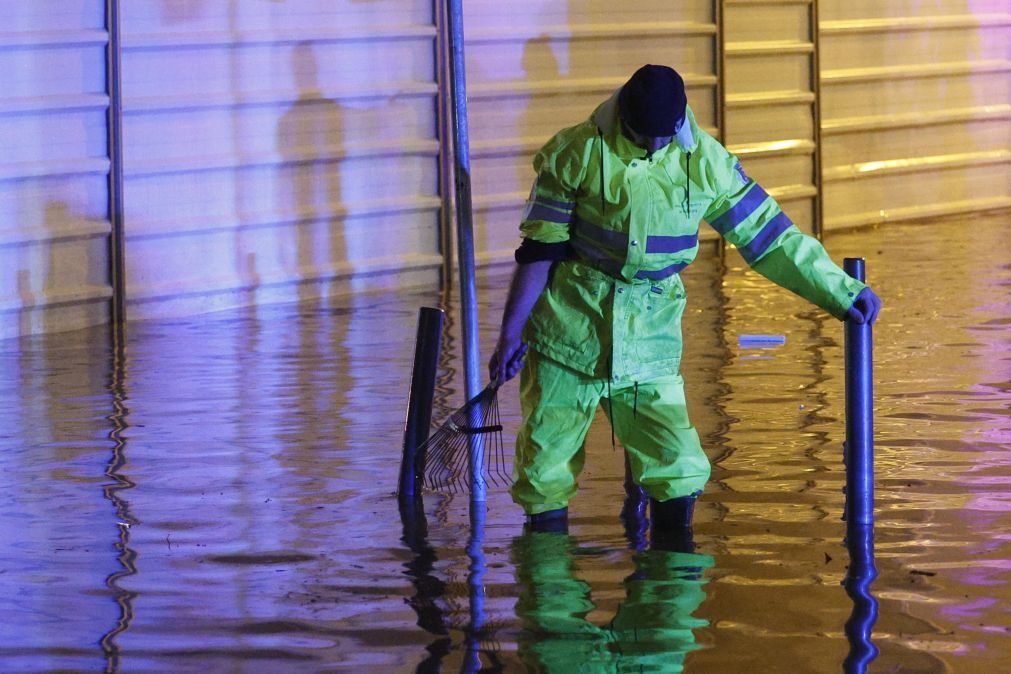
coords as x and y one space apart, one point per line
650 418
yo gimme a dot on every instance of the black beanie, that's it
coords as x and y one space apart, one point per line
653 101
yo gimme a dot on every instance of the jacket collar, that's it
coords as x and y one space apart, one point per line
605 117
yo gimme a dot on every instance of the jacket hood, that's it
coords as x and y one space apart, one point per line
605 117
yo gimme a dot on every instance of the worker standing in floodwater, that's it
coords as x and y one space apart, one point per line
595 304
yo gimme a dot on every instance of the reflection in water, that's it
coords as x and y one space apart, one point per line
429 589
113 492
552 607
654 627
651 631
859 576
478 640
264 534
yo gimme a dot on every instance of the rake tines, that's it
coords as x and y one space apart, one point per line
475 427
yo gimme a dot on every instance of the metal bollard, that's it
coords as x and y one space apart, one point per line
859 448
419 406
859 515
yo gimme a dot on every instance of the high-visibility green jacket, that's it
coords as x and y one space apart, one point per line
632 223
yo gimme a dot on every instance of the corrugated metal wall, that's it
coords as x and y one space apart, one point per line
277 151
916 100
771 101
54 225
272 151
288 150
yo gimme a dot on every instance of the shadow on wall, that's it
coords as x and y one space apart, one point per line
27 298
36 280
310 139
181 11
539 64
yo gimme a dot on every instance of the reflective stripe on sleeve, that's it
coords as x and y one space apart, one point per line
537 211
555 203
765 238
740 211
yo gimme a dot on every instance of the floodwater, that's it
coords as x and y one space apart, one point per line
220 494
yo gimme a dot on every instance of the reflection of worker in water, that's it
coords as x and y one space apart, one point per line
651 631
612 219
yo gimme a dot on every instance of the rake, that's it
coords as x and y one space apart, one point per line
474 428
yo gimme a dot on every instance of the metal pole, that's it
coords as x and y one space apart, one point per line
819 203
859 457
443 116
720 65
114 122
719 14
465 231
859 449
419 406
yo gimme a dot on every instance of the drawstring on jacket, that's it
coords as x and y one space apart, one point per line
688 188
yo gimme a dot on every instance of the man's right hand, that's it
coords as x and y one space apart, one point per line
507 360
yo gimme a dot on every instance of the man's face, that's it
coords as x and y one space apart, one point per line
649 143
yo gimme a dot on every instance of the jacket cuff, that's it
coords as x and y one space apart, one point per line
537 251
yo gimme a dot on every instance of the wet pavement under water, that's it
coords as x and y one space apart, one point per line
220 495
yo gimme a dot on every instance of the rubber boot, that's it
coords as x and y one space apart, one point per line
633 518
633 512
671 524
551 521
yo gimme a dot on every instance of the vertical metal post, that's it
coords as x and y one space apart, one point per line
819 210
419 406
720 61
465 230
443 117
859 449
114 122
720 64
859 457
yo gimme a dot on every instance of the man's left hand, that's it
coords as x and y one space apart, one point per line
865 307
